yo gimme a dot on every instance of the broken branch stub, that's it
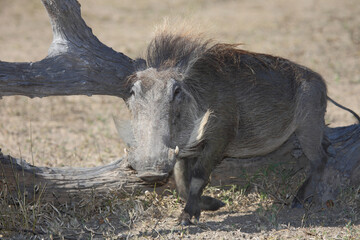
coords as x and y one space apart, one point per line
77 62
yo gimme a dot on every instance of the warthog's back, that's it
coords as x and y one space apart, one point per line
268 95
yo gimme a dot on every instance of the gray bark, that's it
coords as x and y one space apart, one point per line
77 62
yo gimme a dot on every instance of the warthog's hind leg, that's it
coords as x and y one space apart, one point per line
310 133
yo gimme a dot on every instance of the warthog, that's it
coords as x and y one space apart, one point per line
196 102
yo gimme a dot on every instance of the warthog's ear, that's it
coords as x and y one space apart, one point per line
201 128
125 131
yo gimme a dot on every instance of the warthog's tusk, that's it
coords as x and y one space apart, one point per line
172 153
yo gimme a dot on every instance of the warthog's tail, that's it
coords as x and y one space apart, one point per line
345 108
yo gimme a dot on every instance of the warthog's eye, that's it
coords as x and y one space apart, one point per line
176 92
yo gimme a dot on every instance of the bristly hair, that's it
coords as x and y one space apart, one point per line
175 50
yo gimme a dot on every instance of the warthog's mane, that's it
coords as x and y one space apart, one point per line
190 53
175 50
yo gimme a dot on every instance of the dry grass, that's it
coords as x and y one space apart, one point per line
259 208
78 131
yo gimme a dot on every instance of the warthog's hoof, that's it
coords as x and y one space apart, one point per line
299 203
210 204
184 219
296 203
306 193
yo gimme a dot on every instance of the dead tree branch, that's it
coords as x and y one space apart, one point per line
77 62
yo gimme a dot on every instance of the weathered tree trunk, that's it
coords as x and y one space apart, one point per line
62 184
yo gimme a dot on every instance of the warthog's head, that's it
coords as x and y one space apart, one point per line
166 120
163 118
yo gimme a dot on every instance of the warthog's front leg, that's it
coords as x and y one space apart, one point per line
195 202
212 153
182 172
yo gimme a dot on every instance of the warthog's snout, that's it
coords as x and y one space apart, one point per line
162 169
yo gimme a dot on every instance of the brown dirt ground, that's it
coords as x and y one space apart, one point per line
78 131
